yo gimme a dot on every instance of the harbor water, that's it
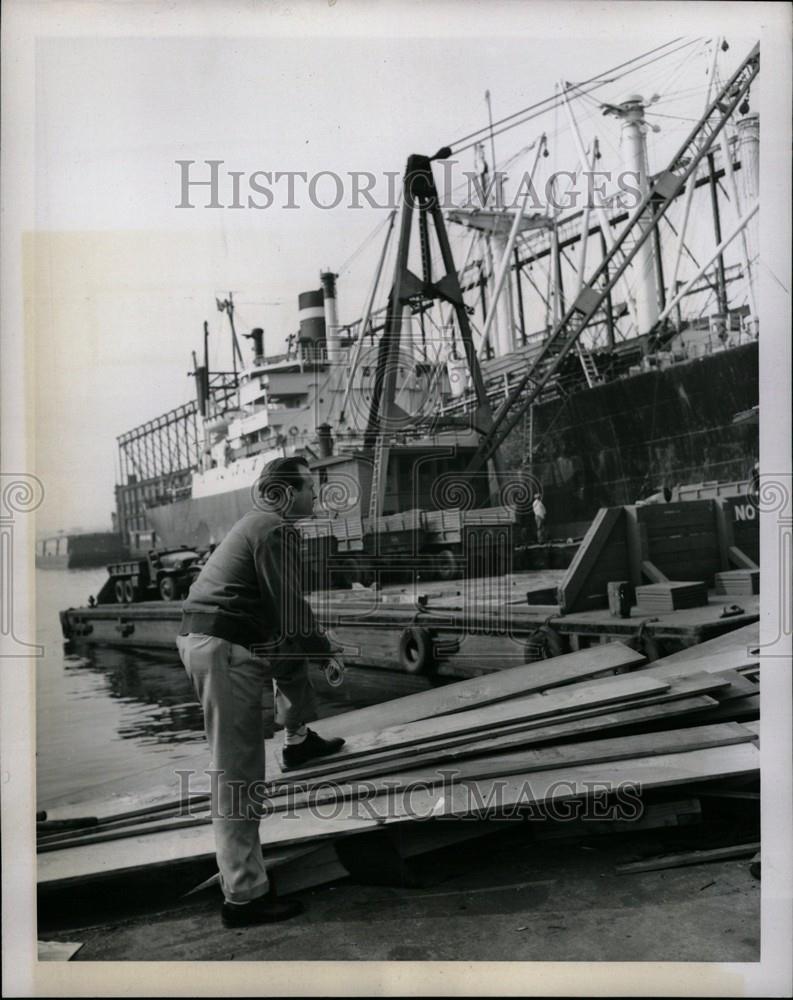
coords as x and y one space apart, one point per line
117 721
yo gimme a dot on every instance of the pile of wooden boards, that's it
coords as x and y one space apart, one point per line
738 582
450 763
673 595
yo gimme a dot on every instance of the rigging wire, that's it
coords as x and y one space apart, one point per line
366 241
548 103
487 129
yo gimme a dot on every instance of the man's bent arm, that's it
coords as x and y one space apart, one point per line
277 558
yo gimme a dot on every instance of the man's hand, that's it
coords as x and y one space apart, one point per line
334 670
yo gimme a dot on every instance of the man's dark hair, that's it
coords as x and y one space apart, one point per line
277 477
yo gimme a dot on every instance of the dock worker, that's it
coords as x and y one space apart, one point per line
539 517
245 622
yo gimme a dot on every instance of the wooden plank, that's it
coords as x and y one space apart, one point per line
738 582
669 769
681 689
736 708
546 675
689 858
321 866
519 762
54 844
140 854
479 691
413 839
555 785
671 595
58 951
570 698
589 553
740 686
572 726
728 793
735 642
709 664
656 815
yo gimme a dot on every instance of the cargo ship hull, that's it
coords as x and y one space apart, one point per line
608 445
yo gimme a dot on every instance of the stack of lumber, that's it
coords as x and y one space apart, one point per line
738 582
661 598
416 771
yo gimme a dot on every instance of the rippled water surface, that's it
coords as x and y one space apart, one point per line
110 720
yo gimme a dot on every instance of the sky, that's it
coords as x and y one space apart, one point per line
119 280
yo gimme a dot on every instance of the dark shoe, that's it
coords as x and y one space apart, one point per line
264 910
311 747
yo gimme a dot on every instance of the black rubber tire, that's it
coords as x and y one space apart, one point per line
446 565
130 592
168 588
118 588
416 654
543 644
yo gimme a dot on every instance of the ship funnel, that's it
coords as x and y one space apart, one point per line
311 313
325 440
749 152
634 146
257 336
328 279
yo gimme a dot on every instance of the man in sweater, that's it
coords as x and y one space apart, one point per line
245 622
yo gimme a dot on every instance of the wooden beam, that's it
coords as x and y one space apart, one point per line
740 559
570 698
656 815
554 785
653 574
404 775
636 545
589 552
479 691
690 858
680 689
724 532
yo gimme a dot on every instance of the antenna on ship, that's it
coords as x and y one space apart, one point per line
496 179
227 306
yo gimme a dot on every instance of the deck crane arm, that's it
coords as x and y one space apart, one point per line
593 293
419 193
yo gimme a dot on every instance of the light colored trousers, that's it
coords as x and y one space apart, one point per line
230 683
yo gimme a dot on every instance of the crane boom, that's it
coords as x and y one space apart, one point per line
662 193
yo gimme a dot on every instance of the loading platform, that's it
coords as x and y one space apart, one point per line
462 628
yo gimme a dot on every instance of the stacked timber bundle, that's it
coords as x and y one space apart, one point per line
661 598
738 582
482 749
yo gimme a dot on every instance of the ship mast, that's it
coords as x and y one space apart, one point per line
227 306
663 192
